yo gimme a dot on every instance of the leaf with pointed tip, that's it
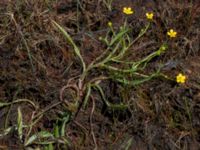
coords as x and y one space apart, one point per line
6 131
42 134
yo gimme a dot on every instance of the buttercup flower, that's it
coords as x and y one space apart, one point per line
180 78
171 33
149 16
128 10
109 23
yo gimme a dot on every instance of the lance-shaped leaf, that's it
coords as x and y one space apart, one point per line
19 123
42 134
70 40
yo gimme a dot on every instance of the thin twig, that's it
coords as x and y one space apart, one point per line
74 87
46 109
91 125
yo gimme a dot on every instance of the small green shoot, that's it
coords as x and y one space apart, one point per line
19 124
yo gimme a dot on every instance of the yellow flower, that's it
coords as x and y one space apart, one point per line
180 78
171 33
110 24
149 16
128 10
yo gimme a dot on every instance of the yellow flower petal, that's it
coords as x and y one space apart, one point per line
171 33
180 78
149 16
128 10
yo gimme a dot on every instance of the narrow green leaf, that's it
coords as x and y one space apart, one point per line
117 37
96 86
115 69
25 100
31 140
65 120
45 142
110 105
19 123
4 104
56 131
129 144
87 96
18 101
6 131
42 134
136 81
70 40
